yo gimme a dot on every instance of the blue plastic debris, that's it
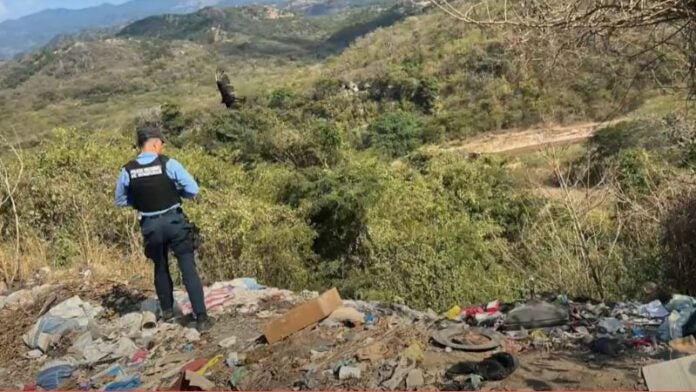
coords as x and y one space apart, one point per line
50 377
369 319
124 384
637 332
252 284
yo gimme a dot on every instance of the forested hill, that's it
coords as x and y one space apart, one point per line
330 169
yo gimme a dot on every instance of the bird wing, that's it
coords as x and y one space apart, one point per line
226 89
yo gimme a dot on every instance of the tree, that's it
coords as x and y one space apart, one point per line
172 119
426 95
651 25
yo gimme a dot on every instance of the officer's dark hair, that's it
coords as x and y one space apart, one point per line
144 134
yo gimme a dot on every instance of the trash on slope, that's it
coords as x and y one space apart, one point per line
347 315
70 315
349 372
228 342
237 376
192 381
497 367
414 379
52 374
674 375
536 314
463 337
128 383
242 291
609 325
387 354
684 345
302 316
653 310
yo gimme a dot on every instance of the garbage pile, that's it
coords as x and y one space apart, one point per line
268 338
81 347
562 323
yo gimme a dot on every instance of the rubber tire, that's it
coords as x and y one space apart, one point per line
444 337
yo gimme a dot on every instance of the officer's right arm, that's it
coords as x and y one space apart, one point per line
121 198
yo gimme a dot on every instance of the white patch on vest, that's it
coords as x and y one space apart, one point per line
146 171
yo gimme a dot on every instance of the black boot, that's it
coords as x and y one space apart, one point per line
202 322
167 316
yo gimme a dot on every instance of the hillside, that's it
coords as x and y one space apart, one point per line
76 80
267 31
324 174
478 79
35 30
504 176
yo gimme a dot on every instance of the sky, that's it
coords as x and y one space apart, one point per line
12 9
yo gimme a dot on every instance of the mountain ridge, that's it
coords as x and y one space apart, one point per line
21 35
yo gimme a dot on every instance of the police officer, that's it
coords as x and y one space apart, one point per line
154 184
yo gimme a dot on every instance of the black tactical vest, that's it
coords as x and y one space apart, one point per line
150 189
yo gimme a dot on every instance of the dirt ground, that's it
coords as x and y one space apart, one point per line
301 361
518 141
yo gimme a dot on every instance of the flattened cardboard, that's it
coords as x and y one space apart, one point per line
302 316
675 375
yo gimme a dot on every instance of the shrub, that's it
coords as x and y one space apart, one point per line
426 95
679 243
395 133
283 98
242 234
173 119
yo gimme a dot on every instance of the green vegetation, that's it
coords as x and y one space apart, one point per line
395 133
330 172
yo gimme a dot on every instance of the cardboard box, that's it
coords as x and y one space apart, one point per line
674 375
302 316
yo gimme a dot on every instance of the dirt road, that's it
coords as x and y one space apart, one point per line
528 139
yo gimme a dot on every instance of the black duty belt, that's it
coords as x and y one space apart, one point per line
177 210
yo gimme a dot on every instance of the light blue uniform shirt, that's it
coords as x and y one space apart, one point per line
184 182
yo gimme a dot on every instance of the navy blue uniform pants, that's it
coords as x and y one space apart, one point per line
172 231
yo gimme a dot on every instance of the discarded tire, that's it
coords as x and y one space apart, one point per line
497 367
454 337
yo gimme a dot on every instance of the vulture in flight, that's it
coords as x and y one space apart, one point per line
229 98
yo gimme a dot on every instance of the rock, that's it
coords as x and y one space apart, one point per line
192 335
3 301
228 342
349 372
19 298
3 287
40 291
414 379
